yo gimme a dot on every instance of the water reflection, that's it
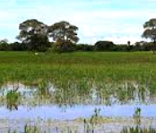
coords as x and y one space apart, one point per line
72 100
46 93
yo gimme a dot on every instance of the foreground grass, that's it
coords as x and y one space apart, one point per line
26 67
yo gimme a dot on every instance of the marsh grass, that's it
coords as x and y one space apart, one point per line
75 75
138 128
43 89
13 99
74 92
27 129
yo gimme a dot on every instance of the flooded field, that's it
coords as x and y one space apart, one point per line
52 109
77 92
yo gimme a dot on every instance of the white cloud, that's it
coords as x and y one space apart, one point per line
94 24
123 39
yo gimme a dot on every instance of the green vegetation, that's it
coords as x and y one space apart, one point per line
150 31
13 98
100 67
138 128
35 36
26 67
73 75
28 129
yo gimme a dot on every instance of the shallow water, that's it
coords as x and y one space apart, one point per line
65 105
78 111
48 102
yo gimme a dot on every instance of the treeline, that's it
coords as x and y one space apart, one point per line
35 35
98 46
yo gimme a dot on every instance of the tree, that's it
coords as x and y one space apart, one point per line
129 43
34 34
104 46
63 33
150 31
64 47
4 41
129 46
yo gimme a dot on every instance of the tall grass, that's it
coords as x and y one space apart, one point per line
98 66
13 98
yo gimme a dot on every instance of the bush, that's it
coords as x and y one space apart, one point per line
104 46
84 47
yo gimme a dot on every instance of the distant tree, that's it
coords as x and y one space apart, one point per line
104 46
4 41
84 47
16 46
63 33
4 45
150 31
34 34
129 46
128 42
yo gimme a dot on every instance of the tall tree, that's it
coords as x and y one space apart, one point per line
32 32
150 31
63 31
65 35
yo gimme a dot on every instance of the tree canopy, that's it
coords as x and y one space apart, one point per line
65 35
63 31
150 31
104 45
35 34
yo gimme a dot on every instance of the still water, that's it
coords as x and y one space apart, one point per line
68 104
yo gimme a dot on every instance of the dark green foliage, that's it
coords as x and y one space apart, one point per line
150 31
65 36
84 47
16 46
38 43
104 45
143 46
34 34
65 46
120 48
63 31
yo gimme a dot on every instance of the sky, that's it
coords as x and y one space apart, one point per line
112 20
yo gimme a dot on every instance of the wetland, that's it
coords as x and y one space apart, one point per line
76 92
